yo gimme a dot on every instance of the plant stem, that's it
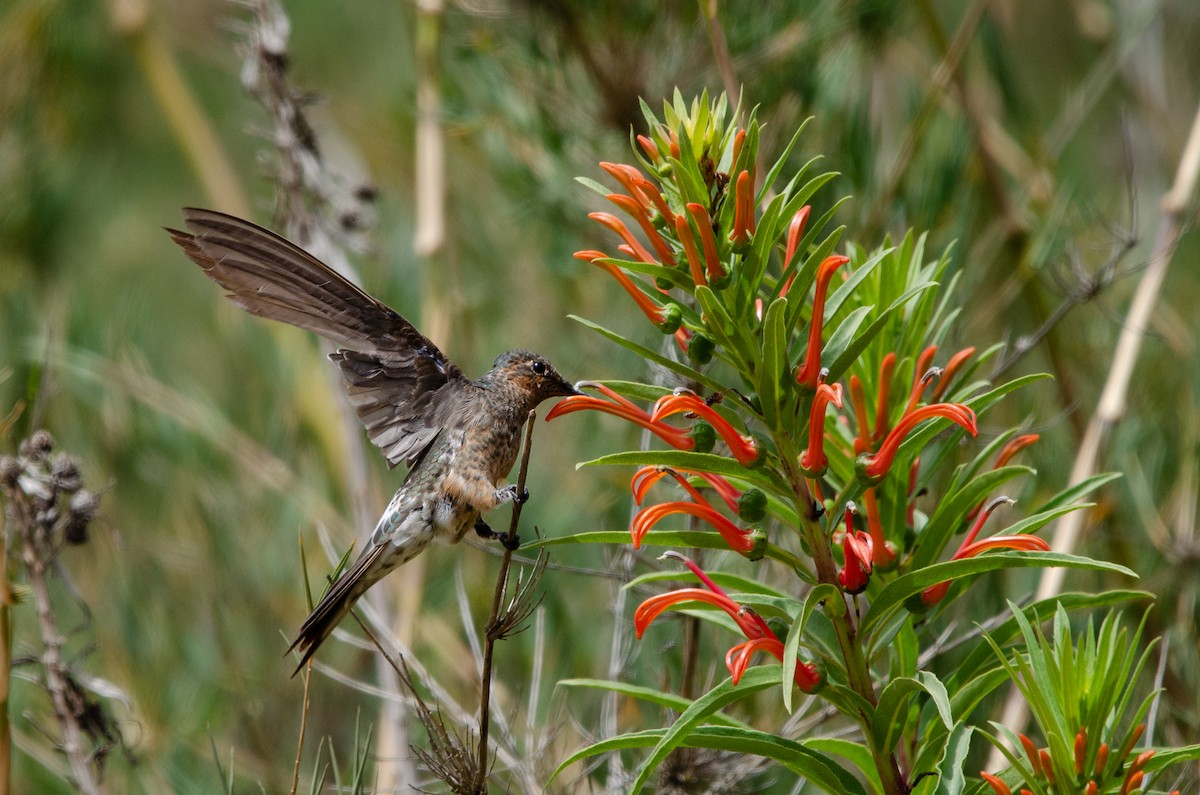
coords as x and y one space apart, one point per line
490 636
858 673
57 684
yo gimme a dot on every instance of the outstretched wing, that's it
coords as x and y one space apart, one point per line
394 374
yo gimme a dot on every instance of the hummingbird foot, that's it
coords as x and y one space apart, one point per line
511 493
510 541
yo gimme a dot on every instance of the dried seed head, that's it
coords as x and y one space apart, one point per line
64 471
10 470
82 510
41 443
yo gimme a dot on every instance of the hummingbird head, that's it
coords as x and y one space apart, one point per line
530 376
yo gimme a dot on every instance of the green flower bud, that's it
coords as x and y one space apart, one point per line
752 507
701 348
672 317
704 435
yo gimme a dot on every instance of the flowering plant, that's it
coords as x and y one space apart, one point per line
840 447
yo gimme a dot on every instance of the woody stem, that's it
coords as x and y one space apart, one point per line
490 636
857 671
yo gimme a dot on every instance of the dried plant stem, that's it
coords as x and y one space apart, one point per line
6 602
490 633
303 726
191 128
1111 406
71 742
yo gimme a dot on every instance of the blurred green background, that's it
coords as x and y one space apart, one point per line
1042 149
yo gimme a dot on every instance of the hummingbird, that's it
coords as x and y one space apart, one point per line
459 437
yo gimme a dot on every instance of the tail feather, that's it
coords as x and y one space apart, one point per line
337 603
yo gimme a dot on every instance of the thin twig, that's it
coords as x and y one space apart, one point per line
490 635
303 726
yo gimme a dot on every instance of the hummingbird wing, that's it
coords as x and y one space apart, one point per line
394 374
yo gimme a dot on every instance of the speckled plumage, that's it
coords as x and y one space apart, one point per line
459 437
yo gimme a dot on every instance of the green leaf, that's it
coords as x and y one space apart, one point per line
842 362
889 721
670 538
894 593
951 780
776 364
729 332
650 695
791 646
855 753
653 356
723 694
796 756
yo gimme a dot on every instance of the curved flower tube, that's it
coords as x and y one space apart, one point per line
952 367
684 231
743 215
651 310
813 460
617 225
637 211
739 539
970 548
699 213
623 408
810 372
759 636
794 236
874 467
742 447
647 476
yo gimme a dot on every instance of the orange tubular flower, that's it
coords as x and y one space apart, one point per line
647 476
739 539
742 447
886 368
952 367
650 309
1012 448
970 548
874 467
637 211
923 375
759 636
810 371
678 438
649 147
743 215
813 461
857 551
684 230
998 786
699 213
884 551
617 225
651 192
794 235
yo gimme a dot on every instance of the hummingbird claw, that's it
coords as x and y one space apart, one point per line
510 493
484 530
510 541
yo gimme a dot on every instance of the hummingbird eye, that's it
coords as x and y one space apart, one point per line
539 367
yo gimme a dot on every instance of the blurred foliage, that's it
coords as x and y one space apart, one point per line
1046 146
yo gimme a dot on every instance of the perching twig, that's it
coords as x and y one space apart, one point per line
47 508
499 626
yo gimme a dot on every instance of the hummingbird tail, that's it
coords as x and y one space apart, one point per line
337 603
